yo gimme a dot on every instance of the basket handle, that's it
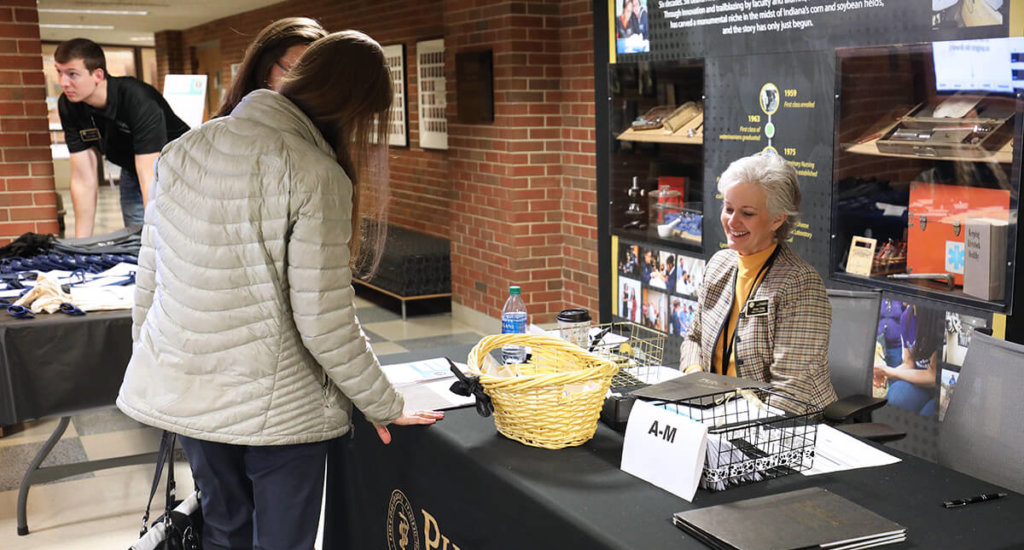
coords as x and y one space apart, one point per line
470 385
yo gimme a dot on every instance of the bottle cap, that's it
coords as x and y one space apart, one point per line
513 290
575 315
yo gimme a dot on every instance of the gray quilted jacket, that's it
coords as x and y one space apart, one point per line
244 327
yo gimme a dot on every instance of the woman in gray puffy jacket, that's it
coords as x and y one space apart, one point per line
246 340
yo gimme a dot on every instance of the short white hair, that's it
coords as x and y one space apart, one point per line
776 177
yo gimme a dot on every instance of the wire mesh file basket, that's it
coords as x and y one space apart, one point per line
753 435
634 348
551 401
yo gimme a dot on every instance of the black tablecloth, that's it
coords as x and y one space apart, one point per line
459 480
56 364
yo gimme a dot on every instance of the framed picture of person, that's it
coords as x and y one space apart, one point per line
690 273
629 259
654 310
629 299
680 314
911 341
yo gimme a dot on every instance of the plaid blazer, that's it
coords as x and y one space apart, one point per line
788 347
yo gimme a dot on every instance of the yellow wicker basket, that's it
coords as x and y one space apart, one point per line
553 401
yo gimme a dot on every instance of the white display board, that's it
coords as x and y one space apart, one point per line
186 94
433 122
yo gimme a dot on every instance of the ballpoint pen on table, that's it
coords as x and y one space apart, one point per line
965 501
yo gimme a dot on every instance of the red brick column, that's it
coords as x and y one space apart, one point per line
170 55
575 97
523 211
27 197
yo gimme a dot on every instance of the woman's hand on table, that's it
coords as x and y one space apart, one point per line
408 418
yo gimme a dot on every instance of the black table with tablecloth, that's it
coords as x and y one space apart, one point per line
459 484
56 365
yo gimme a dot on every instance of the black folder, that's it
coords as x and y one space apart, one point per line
694 385
808 518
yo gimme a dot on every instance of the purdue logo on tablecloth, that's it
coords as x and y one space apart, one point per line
402 531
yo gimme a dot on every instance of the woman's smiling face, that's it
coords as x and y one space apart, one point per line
749 228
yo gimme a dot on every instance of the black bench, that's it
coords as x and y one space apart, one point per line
414 266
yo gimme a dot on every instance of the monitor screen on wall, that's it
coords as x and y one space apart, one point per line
992 65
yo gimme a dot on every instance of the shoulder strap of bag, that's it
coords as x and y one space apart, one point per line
171 488
166 448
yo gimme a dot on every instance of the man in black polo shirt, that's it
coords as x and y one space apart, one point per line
120 117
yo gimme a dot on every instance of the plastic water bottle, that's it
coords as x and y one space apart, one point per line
513 321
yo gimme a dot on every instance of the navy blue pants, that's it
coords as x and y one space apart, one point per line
132 210
258 498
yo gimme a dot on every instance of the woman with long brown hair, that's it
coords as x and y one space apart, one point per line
269 57
246 339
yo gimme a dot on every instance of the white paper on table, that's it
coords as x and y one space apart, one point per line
103 298
425 384
432 396
664 449
419 371
835 451
654 374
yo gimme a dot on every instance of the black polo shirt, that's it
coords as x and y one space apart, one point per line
137 121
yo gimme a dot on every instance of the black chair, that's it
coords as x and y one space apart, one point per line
982 433
851 355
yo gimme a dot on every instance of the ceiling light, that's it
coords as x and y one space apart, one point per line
93 12
141 39
92 27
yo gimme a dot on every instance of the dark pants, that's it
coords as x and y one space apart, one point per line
132 210
262 498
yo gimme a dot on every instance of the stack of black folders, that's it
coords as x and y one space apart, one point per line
808 518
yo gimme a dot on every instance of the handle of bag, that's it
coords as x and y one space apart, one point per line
165 454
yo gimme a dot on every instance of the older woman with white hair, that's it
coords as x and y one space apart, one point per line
762 313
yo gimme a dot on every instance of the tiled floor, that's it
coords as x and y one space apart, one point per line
102 510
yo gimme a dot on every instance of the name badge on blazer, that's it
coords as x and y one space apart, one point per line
757 308
89 134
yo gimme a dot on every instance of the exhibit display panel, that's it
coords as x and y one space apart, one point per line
927 169
657 120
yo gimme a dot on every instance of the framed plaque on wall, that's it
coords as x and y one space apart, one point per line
398 131
433 122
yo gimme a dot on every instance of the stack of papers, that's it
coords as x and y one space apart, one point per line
808 518
836 451
424 384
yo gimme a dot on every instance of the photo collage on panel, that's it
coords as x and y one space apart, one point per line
657 288
920 349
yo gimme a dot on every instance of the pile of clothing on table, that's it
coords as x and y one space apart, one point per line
43 273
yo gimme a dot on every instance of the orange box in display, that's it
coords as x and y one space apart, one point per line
937 218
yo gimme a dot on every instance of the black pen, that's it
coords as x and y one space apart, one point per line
965 501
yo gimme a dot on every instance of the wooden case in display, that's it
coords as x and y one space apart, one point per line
977 127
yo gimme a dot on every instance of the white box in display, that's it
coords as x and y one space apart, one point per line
985 258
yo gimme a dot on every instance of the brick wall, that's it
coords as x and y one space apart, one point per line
170 55
27 197
525 185
419 186
575 96
516 197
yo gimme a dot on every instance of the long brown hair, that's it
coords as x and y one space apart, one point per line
266 49
343 84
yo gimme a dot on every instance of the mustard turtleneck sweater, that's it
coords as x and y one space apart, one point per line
746 279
